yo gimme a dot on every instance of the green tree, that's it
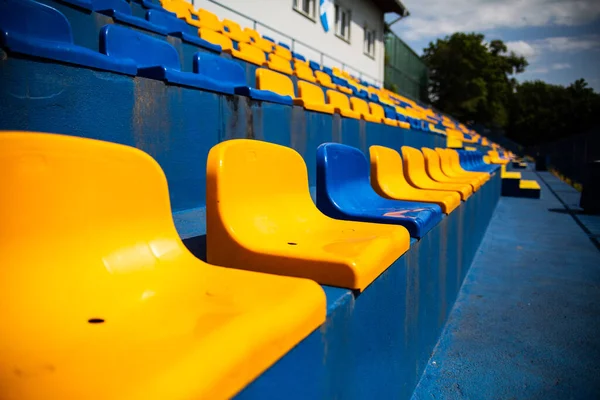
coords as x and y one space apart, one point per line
541 112
471 79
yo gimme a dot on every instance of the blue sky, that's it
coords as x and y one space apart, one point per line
559 38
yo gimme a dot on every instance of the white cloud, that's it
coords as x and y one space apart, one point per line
521 48
433 18
561 66
559 44
540 70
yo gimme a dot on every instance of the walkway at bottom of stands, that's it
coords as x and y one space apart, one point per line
526 323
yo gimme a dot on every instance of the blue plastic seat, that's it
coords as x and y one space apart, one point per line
344 192
154 58
328 71
179 28
298 56
473 161
285 46
85 4
120 11
269 39
35 29
228 74
315 66
150 5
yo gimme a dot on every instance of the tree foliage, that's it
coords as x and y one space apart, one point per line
541 112
472 79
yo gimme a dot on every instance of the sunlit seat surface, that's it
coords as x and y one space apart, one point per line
260 216
387 178
450 163
101 299
416 174
344 192
434 168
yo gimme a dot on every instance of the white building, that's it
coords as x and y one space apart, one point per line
354 41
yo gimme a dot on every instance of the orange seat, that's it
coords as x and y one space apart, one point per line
274 82
283 52
101 299
451 166
416 174
361 107
434 170
263 44
341 104
259 210
387 178
249 53
378 112
325 80
234 31
303 71
277 63
311 97
217 38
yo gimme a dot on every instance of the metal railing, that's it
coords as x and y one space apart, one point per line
256 23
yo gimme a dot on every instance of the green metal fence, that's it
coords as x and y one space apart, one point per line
405 72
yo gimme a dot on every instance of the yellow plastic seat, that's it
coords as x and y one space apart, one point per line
341 104
311 97
387 178
274 82
283 52
263 44
204 19
234 31
217 38
101 299
324 80
362 108
434 170
259 211
416 175
343 89
303 71
496 159
378 112
451 166
277 63
249 53
529 184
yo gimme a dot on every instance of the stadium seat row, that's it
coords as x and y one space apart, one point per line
151 320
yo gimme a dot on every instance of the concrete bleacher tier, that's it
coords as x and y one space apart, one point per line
230 230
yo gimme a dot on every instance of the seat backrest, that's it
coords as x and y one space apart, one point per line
274 82
209 20
303 71
433 162
377 111
285 46
219 68
252 34
327 70
323 77
170 23
232 26
315 66
310 93
414 164
283 52
341 170
246 178
146 51
279 63
99 240
390 112
216 38
299 57
34 20
252 51
269 39
120 6
387 169
337 99
359 105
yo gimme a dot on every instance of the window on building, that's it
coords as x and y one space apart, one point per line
342 23
308 8
369 42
